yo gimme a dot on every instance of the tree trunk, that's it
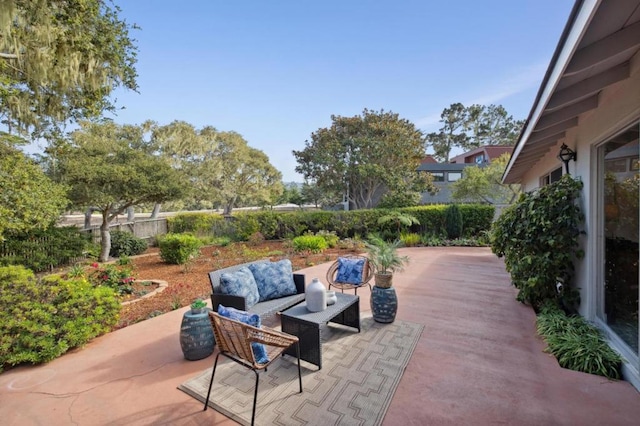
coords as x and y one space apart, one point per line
156 211
87 217
131 214
105 243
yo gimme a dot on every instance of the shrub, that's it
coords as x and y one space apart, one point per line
330 237
126 244
41 250
118 277
410 239
453 221
538 237
312 243
42 319
576 344
179 249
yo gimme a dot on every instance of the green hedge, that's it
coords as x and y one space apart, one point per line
42 250
42 319
346 224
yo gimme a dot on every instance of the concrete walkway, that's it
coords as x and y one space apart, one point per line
478 362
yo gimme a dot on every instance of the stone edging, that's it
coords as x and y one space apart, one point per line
161 286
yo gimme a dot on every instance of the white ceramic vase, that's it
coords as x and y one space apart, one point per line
316 296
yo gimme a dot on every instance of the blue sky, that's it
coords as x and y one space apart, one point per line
275 71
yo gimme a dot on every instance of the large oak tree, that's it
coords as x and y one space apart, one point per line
111 167
60 60
364 157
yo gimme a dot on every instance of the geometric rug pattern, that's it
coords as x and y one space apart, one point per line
360 372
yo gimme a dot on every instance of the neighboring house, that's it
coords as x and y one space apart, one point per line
589 101
444 174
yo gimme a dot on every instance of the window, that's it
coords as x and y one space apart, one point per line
438 176
479 159
554 176
454 176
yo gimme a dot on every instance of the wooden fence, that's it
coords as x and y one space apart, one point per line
147 229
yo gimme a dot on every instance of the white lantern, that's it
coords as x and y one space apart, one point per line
316 296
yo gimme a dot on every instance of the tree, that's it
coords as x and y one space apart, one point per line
490 125
484 184
194 152
292 194
111 167
364 157
246 175
314 194
472 127
451 134
28 198
61 60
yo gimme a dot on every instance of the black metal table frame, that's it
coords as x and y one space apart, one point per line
307 326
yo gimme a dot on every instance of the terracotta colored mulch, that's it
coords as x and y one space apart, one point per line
187 284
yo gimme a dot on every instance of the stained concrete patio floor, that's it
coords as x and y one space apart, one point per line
478 362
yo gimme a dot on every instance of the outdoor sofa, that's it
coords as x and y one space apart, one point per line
264 308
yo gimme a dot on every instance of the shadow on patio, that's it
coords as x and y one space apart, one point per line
478 361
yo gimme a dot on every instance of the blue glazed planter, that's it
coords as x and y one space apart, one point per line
196 335
384 304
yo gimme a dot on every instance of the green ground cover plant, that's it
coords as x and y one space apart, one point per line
576 344
40 319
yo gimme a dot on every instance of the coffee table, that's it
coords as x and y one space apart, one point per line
307 325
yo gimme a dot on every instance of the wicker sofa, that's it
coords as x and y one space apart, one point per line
264 309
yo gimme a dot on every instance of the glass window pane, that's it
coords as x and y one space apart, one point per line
620 211
454 176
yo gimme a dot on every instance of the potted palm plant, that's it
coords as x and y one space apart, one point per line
386 259
384 256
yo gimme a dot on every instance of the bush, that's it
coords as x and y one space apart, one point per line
330 237
118 277
539 239
453 221
312 243
576 344
41 250
179 249
410 239
42 319
126 244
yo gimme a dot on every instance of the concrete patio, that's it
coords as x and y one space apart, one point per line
479 361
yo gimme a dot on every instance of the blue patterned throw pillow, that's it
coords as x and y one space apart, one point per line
274 279
240 283
350 270
259 351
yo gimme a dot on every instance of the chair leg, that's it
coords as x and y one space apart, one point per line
213 373
299 372
255 398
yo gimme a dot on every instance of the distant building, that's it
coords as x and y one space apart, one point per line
444 174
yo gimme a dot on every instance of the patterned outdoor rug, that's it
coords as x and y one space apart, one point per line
360 372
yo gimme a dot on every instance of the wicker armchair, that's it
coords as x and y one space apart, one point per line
234 340
367 274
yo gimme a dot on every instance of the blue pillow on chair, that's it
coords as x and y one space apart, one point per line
350 270
274 279
259 351
240 283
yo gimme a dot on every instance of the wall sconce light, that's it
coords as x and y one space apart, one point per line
565 155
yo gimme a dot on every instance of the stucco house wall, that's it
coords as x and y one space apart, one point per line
618 108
